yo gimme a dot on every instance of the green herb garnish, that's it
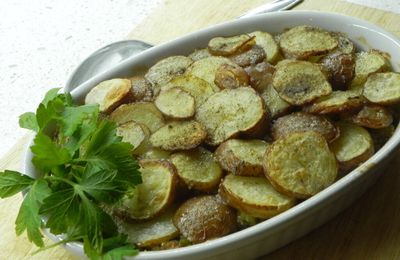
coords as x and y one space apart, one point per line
84 165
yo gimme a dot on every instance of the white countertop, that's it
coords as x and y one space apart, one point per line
42 41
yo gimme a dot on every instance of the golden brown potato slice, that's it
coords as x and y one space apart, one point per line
179 135
228 76
242 157
302 42
340 68
206 69
110 94
252 56
151 232
166 69
145 113
136 134
369 62
155 153
337 101
276 106
371 116
199 54
153 195
383 88
226 46
204 218
254 196
141 89
260 75
175 103
301 122
345 45
197 87
230 112
300 82
198 169
300 164
353 147
267 42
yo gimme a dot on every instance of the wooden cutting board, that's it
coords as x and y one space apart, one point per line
369 229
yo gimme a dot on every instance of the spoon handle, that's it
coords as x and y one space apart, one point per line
277 5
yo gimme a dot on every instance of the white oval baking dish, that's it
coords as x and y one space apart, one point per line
304 217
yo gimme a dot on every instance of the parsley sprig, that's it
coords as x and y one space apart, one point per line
84 165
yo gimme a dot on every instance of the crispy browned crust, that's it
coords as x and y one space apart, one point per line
371 116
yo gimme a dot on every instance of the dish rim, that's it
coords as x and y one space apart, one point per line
282 218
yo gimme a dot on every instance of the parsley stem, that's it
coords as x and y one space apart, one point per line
52 177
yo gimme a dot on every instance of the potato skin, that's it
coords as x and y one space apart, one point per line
206 217
340 68
228 76
141 89
371 116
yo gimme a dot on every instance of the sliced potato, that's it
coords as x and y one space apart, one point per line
110 94
228 76
197 87
152 232
340 68
141 89
245 220
353 147
260 75
230 112
145 113
383 88
252 56
175 103
302 42
179 135
204 218
166 69
276 106
267 42
337 101
153 195
300 82
242 157
199 54
371 116
345 45
367 63
155 153
381 136
301 122
198 169
300 164
136 134
254 196
206 69
226 46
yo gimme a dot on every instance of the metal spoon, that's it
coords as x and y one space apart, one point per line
114 53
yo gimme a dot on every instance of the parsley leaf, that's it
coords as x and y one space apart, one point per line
50 95
12 182
28 216
28 121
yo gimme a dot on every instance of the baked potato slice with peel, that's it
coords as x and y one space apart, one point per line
151 197
242 157
300 164
179 135
301 122
254 196
337 102
145 113
267 42
226 46
227 77
203 218
369 62
198 169
383 88
371 116
166 69
353 147
110 94
199 54
176 103
303 42
300 82
230 112
136 134
150 233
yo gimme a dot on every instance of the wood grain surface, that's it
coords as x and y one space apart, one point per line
369 229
